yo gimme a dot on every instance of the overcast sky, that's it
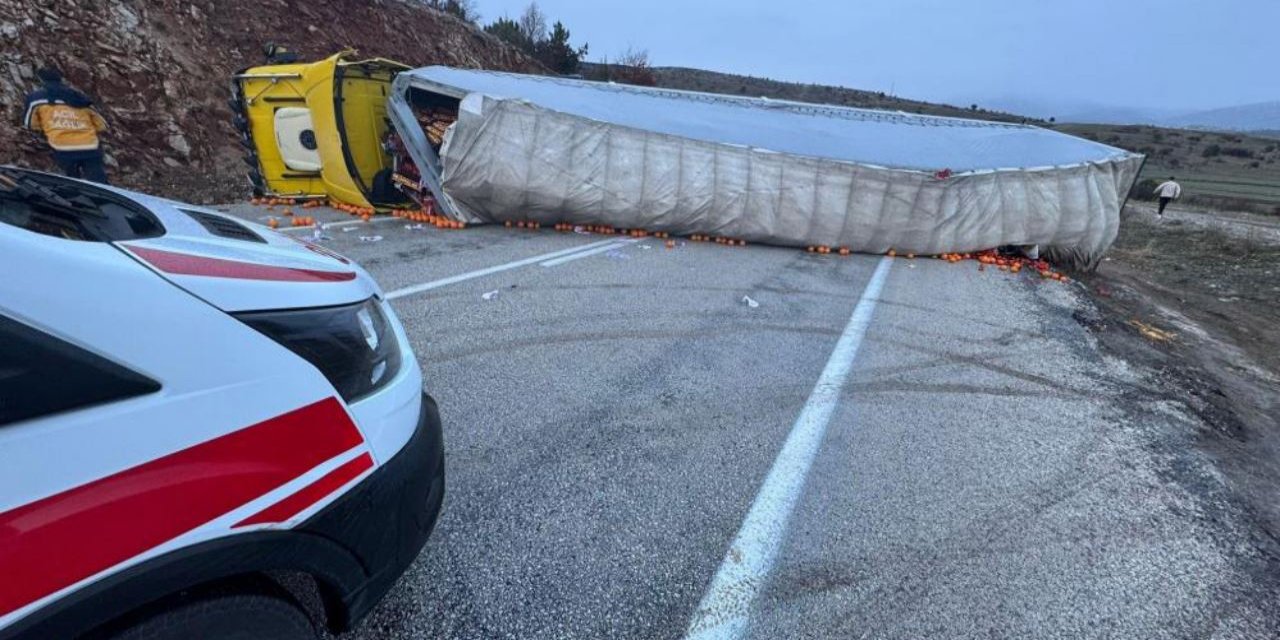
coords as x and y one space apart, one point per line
1178 54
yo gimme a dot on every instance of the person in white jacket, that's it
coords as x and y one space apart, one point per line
1168 191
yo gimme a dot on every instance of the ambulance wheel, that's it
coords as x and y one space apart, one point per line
226 617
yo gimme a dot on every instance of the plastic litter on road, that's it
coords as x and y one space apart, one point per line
747 300
370 238
489 295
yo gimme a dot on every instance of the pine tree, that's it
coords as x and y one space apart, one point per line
558 54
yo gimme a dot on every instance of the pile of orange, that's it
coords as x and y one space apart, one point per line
361 212
824 249
725 240
439 222
271 202
1010 264
634 233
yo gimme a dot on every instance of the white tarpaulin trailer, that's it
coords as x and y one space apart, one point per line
786 173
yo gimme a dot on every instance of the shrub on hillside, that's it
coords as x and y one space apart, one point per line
1211 151
1237 152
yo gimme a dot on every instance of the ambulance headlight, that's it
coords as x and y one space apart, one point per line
354 346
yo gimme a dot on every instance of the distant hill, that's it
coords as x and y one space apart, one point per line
715 82
1248 117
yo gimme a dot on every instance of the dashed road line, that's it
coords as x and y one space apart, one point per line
570 258
339 224
506 266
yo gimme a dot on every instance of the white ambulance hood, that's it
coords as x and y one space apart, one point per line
241 266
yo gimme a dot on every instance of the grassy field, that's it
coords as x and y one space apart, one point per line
1228 170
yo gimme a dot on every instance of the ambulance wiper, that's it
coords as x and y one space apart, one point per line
14 185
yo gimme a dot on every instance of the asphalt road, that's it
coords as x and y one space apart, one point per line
983 471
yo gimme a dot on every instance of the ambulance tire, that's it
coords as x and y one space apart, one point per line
248 616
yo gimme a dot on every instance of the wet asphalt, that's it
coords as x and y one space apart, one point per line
987 471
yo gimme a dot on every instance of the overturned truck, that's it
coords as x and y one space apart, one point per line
493 147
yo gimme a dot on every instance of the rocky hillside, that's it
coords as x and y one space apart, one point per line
159 70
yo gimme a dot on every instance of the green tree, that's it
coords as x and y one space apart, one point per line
509 31
557 54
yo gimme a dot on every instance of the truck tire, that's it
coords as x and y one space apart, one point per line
226 617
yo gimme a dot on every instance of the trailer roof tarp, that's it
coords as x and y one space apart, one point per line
555 149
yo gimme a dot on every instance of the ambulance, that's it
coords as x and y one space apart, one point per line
204 424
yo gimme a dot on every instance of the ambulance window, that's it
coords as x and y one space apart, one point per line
67 209
42 375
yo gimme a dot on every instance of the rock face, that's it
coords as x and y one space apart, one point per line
160 72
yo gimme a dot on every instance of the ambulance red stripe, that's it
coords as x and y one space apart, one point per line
312 493
193 265
57 541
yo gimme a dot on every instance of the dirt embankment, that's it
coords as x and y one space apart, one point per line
1195 298
160 69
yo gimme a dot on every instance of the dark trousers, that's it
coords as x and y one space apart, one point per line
86 165
1164 202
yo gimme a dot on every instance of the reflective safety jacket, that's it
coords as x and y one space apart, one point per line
65 117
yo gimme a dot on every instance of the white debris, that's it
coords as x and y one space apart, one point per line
749 302
489 295
370 238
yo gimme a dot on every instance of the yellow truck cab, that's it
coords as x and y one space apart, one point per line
316 129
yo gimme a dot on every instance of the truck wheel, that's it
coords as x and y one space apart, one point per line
226 617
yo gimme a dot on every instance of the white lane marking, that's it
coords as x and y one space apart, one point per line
725 610
335 225
435 284
616 244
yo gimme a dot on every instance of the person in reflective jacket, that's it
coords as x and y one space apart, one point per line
70 125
